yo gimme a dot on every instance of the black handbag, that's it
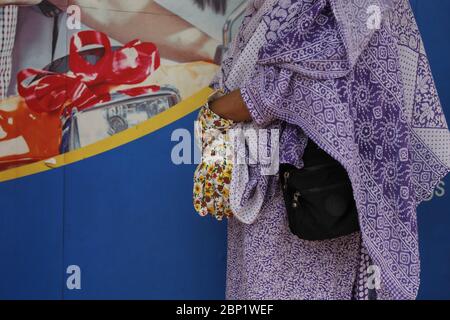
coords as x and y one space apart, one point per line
319 197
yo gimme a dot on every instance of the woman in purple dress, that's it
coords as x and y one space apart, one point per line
353 77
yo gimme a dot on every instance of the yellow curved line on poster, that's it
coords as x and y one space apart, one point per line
161 120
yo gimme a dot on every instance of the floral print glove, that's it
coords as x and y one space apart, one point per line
213 175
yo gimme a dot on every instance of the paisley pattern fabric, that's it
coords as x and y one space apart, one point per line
366 96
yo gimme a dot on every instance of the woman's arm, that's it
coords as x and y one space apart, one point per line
146 20
231 107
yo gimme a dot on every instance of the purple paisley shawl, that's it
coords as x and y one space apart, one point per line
367 97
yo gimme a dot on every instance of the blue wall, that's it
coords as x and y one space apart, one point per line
124 217
434 217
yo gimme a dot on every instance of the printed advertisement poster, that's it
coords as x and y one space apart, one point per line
162 52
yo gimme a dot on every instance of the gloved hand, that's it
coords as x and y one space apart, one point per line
213 175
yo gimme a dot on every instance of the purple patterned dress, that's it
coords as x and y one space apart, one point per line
353 76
